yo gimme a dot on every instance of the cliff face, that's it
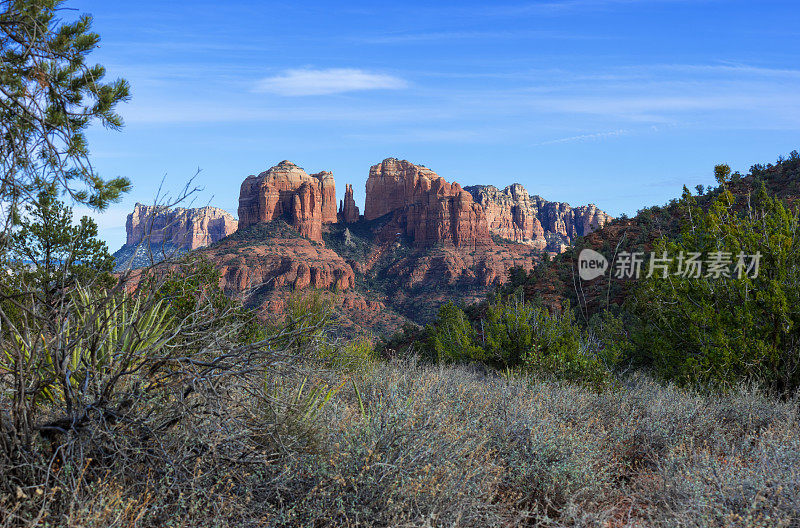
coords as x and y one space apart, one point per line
426 208
285 191
515 215
293 262
394 184
182 228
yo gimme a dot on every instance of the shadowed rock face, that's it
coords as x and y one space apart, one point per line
181 228
515 215
426 208
285 191
348 211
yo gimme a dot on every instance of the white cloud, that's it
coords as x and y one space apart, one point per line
330 81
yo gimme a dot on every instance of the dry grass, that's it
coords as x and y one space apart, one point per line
402 444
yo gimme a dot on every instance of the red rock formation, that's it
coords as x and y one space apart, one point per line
327 188
182 228
515 215
286 191
426 207
348 211
394 184
307 211
296 263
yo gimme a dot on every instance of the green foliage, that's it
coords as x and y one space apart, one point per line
451 337
52 254
510 331
515 334
101 337
611 335
306 317
721 330
353 355
402 342
292 407
49 96
195 300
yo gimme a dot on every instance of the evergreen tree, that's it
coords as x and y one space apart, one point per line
53 254
49 95
719 327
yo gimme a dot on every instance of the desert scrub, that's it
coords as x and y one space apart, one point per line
453 446
410 444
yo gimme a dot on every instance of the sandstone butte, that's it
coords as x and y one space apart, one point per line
426 208
285 191
182 228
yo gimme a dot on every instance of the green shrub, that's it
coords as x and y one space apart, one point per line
195 299
451 337
514 334
101 340
719 331
356 354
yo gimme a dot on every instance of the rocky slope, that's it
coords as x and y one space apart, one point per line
548 226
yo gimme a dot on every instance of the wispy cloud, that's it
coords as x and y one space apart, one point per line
431 36
722 94
587 137
300 82
566 6
161 112
731 68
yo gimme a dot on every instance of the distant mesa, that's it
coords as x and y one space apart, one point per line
153 230
181 228
548 226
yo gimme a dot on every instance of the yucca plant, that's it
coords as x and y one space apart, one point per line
83 356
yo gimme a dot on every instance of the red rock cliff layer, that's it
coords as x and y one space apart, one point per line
183 228
515 215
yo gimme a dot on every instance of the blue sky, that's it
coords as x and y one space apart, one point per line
615 102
